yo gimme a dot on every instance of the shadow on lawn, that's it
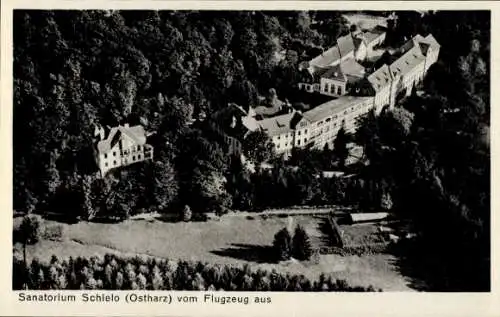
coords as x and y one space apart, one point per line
248 252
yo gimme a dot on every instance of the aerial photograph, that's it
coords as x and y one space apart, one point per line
270 151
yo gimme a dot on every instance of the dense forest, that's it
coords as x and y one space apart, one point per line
430 156
74 69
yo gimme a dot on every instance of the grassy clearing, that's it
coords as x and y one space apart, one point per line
232 240
360 234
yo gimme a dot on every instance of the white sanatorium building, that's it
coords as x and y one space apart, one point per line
123 145
357 91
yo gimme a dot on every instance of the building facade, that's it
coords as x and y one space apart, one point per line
336 73
124 145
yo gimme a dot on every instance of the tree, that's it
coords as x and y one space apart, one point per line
186 213
386 202
30 232
302 249
340 147
258 147
165 186
282 245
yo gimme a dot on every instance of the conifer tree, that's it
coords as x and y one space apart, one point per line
283 244
302 249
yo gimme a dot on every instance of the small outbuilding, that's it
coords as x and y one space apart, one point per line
367 217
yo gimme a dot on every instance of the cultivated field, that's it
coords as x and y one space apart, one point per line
232 240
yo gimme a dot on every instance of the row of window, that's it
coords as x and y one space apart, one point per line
134 149
286 136
299 142
333 89
115 163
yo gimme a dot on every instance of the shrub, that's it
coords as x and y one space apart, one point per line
386 202
54 232
283 244
31 229
199 217
187 214
302 249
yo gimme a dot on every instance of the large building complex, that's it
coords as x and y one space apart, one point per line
338 73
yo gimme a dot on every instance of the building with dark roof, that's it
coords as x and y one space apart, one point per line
334 80
357 92
400 72
124 145
347 46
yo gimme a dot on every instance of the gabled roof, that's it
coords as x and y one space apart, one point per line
136 133
407 62
332 107
346 44
347 71
352 69
380 78
249 123
277 125
332 72
429 39
371 36
327 58
421 42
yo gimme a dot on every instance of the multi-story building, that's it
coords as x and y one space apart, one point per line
405 69
334 80
124 145
350 46
282 131
338 74
336 70
326 119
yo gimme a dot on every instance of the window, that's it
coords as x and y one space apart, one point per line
114 153
299 132
305 140
114 162
305 131
278 137
277 146
106 164
133 158
339 90
139 157
299 142
105 155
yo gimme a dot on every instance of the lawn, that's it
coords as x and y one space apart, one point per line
232 240
360 234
